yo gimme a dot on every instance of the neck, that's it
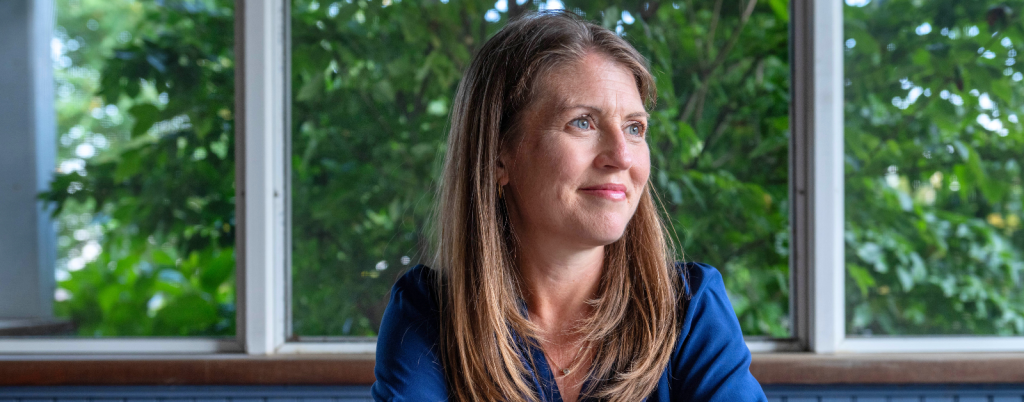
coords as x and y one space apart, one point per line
558 283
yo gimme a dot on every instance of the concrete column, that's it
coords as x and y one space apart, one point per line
27 158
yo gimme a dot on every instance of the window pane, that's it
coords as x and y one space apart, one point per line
143 189
372 87
933 177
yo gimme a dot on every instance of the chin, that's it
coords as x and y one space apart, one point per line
604 236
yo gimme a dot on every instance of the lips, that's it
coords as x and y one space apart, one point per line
610 191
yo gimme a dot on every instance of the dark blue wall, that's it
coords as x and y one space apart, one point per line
897 393
931 393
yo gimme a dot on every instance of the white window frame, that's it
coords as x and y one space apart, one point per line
817 263
820 54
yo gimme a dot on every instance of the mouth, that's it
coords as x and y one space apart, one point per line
609 191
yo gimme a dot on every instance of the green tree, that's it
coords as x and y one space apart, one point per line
149 87
933 138
373 84
933 175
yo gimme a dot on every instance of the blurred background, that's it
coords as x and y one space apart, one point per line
143 189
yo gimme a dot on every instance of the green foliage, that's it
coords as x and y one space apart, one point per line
933 176
720 145
158 199
372 85
933 141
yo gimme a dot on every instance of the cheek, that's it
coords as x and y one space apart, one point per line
641 169
554 161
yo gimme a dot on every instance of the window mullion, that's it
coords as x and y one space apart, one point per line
800 213
262 107
827 307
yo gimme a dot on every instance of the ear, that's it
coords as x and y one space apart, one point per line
502 169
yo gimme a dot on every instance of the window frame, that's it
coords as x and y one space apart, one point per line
263 209
818 61
333 345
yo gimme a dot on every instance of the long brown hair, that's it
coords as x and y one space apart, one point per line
479 289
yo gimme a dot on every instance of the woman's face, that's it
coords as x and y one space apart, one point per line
576 175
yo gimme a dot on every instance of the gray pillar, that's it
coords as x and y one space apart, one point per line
27 158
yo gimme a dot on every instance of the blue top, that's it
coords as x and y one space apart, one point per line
711 361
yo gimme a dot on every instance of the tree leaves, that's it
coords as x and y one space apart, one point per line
162 197
926 169
145 115
371 136
373 88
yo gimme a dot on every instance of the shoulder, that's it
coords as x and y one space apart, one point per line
705 305
711 361
413 307
417 285
699 278
408 365
701 284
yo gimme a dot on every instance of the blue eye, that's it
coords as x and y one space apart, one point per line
634 130
581 123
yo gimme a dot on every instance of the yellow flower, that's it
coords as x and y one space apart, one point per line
1013 221
996 220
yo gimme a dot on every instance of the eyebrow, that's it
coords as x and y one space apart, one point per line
563 108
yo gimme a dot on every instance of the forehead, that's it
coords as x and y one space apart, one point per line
595 78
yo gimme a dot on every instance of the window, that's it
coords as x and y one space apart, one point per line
372 84
134 147
315 258
933 176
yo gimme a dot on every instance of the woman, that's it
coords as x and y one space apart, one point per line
554 277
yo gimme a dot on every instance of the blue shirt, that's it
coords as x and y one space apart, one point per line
711 362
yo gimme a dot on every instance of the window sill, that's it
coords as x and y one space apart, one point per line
769 369
916 368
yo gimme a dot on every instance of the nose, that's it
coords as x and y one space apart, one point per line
615 152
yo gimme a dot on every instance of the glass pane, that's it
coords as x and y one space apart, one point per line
933 175
144 185
372 86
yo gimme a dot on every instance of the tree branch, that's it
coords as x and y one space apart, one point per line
691 103
701 92
692 16
721 123
734 38
715 15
